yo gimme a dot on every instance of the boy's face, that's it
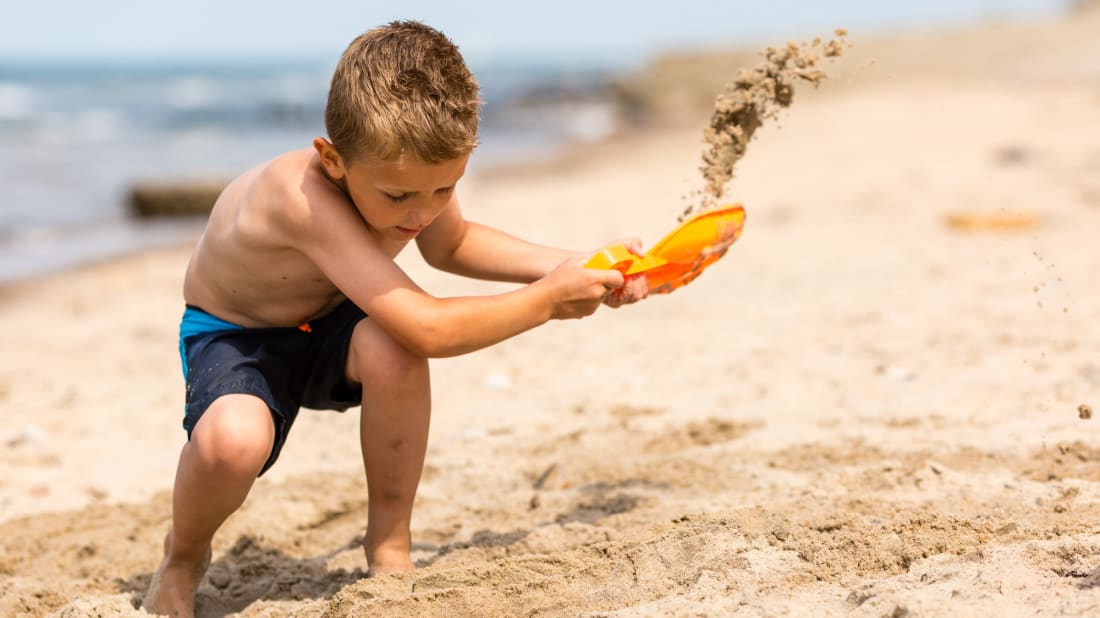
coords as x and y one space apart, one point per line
396 198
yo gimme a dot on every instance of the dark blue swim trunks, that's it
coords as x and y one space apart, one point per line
288 367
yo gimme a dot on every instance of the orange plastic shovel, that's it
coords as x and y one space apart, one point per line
680 256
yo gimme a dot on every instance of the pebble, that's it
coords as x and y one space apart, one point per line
898 374
30 434
219 578
498 381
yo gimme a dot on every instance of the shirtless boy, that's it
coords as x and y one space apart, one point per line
293 297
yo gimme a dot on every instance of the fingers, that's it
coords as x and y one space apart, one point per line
634 289
582 290
634 245
611 279
614 299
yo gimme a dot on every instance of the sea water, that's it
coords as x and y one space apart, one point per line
75 136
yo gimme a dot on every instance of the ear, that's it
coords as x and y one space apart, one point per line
330 159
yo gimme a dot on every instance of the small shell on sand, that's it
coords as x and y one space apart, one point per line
991 221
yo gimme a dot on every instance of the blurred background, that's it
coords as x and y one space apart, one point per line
97 99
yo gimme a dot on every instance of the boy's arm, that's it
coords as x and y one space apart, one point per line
455 245
342 246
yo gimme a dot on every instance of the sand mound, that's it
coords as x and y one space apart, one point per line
601 534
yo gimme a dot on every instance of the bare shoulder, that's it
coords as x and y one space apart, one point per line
297 200
252 265
277 203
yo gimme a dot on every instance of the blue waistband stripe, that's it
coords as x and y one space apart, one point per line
197 322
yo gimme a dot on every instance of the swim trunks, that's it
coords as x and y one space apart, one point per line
287 367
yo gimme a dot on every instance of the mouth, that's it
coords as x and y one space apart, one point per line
408 230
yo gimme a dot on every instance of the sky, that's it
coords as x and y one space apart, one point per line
485 30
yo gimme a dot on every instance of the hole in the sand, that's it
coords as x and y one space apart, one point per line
627 411
250 572
592 511
604 487
484 539
704 433
1012 154
1072 561
488 538
1090 579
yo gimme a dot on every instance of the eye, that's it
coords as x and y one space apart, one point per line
396 199
445 190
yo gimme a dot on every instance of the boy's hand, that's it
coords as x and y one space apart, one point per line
576 291
636 287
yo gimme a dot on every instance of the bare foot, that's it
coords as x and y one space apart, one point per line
172 590
385 561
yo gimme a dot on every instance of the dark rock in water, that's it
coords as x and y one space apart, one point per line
175 199
1084 6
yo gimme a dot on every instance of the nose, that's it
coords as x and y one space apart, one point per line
426 213
421 217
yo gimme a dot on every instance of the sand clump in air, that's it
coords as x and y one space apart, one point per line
748 101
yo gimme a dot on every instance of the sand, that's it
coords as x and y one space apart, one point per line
861 410
757 95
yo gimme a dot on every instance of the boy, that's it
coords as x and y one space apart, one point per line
293 297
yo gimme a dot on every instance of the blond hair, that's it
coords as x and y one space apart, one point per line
402 88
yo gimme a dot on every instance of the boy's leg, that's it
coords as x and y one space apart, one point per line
393 433
229 446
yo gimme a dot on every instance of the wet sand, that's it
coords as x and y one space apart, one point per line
861 410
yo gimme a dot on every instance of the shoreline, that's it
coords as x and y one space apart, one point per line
170 234
867 66
181 232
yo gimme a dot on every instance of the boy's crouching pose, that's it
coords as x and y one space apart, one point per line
293 298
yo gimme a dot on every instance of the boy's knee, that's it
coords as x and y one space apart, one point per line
375 357
234 437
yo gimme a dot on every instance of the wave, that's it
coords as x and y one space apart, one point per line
16 101
74 138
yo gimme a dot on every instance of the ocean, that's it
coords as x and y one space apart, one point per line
76 136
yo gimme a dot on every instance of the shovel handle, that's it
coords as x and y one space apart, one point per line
612 257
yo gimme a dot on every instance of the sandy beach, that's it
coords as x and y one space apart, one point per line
874 405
